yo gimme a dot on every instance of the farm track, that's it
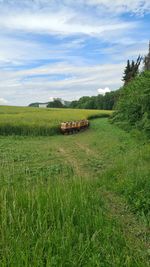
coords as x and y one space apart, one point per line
137 235
71 160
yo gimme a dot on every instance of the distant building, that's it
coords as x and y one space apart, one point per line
44 105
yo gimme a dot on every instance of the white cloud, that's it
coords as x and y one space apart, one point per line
81 80
60 23
117 6
120 6
103 91
51 99
75 75
3 101
64 17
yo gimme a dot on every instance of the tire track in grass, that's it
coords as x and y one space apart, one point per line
71 160
86 149
138 234
135 232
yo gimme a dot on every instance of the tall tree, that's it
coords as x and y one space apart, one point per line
131 70
147 60
127 71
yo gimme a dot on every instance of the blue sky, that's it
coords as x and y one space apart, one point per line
68 48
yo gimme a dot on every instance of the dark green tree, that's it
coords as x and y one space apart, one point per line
131 70
73 104
127 73
55 104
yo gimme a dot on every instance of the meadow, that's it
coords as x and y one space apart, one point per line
76 200
35 121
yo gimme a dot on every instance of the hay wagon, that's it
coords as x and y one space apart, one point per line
72 127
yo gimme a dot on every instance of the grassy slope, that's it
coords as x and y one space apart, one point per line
79 200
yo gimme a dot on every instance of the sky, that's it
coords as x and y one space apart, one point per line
68 48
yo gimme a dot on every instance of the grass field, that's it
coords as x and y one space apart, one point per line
35 121
78 200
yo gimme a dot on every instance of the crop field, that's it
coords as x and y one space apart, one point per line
73 201
35 121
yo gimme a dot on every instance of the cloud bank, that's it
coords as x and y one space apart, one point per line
67 48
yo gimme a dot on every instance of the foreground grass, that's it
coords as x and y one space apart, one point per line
80 200
35 121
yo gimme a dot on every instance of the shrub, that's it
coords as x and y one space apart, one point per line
133 107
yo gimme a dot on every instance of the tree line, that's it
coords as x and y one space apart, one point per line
133 106
106 101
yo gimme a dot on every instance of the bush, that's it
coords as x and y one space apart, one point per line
133 108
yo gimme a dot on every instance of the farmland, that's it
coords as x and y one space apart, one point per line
77 200
35 121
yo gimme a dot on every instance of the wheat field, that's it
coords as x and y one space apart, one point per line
35 121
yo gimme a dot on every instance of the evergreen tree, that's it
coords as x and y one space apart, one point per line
131 70
127 72
147 60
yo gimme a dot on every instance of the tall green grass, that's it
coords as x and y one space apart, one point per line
126 160
53 220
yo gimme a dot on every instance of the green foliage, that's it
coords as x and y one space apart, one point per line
106 102
131 70
127 71
55 104
34 105
133 109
